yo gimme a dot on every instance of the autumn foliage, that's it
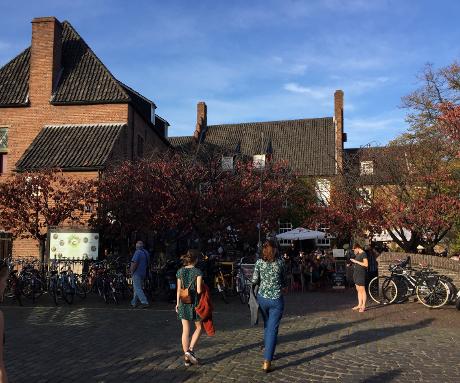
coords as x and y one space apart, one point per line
176 194
30 203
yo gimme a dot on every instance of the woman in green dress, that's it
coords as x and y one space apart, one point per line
189 277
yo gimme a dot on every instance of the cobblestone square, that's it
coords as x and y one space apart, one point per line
320 340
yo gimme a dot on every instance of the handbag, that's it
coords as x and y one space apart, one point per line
184 293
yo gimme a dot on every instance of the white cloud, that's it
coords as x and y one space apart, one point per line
315 92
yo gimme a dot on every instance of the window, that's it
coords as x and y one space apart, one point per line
2 163
283 228
3 149
258 161
140 147
366 194
323 191
227 163
366 168
323 242
3 139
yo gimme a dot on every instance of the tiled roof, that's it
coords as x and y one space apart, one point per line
181 141
308 145
14 80
71 147
84 78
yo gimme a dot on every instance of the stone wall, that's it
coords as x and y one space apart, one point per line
441 265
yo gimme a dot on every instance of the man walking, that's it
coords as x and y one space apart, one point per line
139 265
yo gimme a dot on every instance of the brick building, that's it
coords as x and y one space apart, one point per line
61 107
313 147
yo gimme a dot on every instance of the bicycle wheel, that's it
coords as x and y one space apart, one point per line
433 294
222 292
383 290
53 292
68 293
80 289
244 295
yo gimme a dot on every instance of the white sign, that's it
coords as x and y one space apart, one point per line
258 161
73 245
338 253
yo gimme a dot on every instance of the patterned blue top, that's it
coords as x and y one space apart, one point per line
271 278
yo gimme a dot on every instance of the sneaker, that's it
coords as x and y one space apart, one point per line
187 362
144 306
191 356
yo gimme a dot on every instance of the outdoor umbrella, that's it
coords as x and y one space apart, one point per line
301 234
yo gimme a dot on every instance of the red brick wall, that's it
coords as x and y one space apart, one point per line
24 123
152 142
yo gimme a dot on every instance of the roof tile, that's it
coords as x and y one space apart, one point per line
71 146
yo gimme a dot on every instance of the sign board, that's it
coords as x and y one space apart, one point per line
338 281
72 244
338 253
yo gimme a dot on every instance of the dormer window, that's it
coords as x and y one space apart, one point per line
366 168
227 163
258 161
152 117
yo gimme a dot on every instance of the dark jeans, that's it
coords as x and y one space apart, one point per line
272 312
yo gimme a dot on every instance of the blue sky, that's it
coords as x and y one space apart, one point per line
259 60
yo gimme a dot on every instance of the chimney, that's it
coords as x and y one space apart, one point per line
340 136
201 120
45 62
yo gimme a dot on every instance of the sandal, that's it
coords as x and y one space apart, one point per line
356 308
362 309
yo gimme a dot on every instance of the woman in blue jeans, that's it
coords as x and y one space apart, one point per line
269 274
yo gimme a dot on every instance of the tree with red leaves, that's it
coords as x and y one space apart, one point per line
420 192
352 209
30 203
193 197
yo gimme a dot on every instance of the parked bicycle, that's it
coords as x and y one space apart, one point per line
13 286
404 281
243 278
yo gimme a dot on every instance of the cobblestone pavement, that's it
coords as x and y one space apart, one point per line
321 340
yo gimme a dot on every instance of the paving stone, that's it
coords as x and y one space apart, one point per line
320 340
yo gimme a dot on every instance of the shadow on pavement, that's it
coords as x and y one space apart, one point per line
285 338
353 340
383 377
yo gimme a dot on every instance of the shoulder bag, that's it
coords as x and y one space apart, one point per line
184 293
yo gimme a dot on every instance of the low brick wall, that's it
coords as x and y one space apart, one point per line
441 265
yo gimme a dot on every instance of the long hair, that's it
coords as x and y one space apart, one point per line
189 258
269 251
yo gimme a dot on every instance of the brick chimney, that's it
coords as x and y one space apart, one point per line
340 136
45 59
201 120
